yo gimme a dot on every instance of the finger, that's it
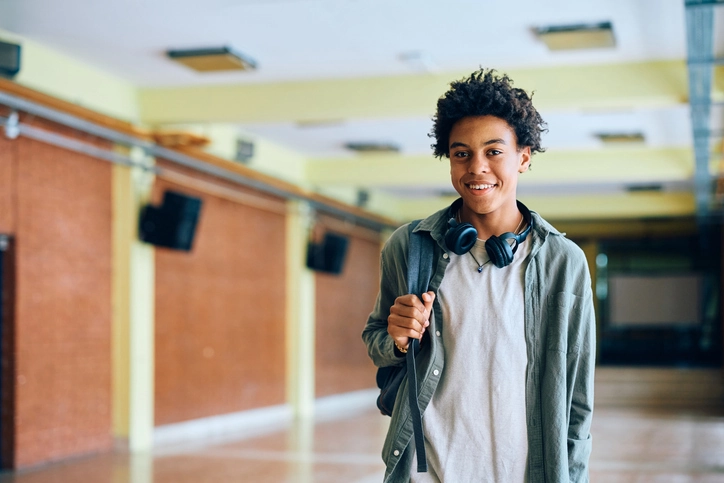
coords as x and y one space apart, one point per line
417 313
406 323
410 300
403 337
402 334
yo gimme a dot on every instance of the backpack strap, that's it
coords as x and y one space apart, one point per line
419 272
419 261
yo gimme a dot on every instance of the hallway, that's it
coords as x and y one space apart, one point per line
669 428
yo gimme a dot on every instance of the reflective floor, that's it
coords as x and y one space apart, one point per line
631 444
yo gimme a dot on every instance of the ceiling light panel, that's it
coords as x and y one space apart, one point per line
212 59
578 36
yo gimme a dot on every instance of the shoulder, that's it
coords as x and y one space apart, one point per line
435 225
399 239
555 247
559 264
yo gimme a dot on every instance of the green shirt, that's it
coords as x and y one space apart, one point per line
560 340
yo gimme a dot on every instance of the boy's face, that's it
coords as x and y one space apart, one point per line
485 162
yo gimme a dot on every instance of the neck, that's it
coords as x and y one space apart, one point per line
505 219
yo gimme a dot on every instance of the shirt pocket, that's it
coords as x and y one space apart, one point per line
562 320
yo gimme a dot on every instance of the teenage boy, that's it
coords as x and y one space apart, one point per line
507 328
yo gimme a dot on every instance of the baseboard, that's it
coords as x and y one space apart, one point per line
257 422
342 405
241 425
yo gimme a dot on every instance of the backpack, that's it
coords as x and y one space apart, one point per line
389 379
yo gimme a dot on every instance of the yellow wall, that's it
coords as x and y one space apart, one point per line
269 158
56 74
67 78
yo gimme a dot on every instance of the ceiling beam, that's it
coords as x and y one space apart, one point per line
633 165
604 87
583 207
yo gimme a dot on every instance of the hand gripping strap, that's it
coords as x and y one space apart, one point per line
419 272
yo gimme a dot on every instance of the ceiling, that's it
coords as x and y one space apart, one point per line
334 71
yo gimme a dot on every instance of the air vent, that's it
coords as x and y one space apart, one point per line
644 188
244 151
319 123
578 36
617 138
373 147
363 198
212 59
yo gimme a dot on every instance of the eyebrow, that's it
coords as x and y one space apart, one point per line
486 143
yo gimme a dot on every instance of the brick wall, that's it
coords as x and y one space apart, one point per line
59 213
220 313
343 303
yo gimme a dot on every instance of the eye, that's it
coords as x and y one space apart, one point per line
460 154
494 152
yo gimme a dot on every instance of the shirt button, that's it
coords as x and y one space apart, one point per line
436 372
445 255
396 452
437 333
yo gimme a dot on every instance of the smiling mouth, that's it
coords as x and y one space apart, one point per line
480 186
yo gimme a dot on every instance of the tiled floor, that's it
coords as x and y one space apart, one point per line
644 445
631 445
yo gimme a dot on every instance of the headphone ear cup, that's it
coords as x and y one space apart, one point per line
499 251
461 238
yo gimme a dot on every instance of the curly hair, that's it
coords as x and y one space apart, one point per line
486 94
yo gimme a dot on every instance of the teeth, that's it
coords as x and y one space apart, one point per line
480 186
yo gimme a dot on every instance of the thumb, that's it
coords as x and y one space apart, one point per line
427 299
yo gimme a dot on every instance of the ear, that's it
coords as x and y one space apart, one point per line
524 159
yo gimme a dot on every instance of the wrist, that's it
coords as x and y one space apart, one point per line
400 349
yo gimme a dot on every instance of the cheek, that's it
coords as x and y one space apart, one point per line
457 169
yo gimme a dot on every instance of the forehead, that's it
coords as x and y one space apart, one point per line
488 127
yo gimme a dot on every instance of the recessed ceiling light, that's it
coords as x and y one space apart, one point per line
578 36
372 147
212 59
621 137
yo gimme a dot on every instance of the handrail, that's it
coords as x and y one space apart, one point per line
28 100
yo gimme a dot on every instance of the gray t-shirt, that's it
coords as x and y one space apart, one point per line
475 425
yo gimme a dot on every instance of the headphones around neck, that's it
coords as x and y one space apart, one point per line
461 237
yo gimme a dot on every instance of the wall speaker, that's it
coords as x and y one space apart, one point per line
244 151
328 256
9 59
171 225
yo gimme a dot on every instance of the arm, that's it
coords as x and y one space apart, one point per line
397 316
581 372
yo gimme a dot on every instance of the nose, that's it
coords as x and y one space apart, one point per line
478 164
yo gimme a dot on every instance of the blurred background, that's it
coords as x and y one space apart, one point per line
193 198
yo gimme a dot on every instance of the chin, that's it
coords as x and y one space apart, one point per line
477 206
